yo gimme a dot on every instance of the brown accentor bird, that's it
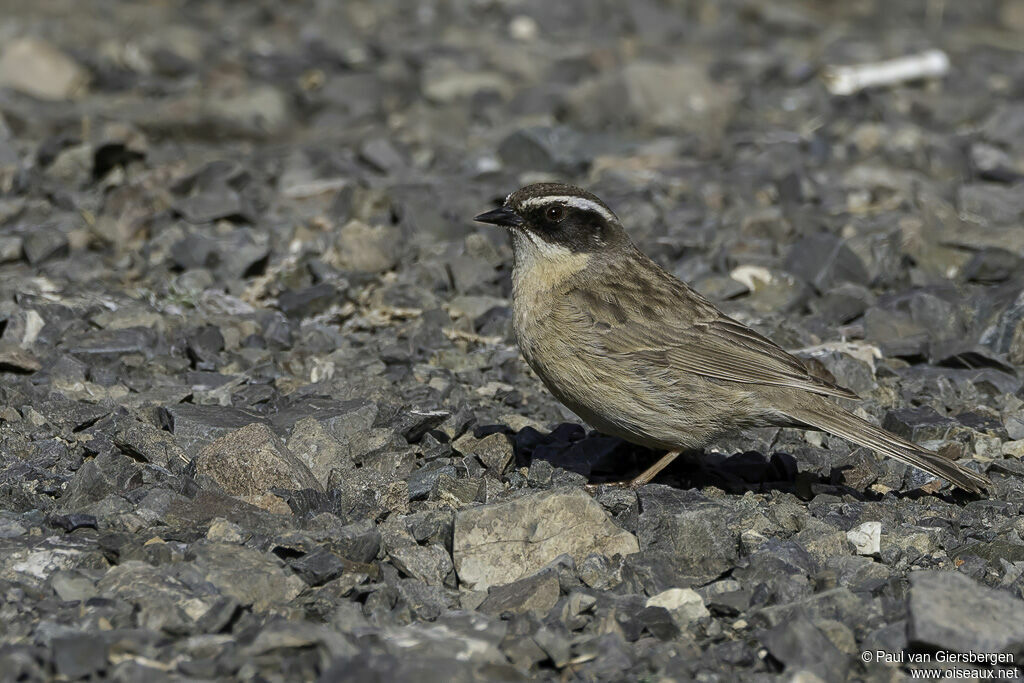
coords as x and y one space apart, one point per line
640 355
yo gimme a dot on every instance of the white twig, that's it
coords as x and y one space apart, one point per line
847 80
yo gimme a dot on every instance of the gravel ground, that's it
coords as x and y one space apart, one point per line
263 416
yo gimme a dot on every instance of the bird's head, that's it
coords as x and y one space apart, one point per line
551 220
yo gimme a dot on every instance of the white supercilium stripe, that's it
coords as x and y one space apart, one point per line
568 200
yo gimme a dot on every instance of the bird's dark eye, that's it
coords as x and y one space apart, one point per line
554 213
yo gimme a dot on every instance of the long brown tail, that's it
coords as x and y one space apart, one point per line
829 417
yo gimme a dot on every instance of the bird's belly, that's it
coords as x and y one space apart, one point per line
612 399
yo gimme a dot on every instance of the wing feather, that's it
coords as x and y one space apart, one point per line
678 331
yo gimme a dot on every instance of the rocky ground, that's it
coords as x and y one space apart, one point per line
263 416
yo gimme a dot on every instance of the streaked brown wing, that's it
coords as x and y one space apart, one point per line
676 330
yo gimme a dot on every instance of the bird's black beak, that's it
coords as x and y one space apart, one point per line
505 217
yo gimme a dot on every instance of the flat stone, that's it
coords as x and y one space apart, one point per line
195 426
164 601
678 97
251 577
79 656
950 611
499 543
824 261
35 67
536 593
251 461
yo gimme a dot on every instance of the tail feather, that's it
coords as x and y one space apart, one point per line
831 418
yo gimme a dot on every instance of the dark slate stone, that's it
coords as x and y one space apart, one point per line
800 645
73 521
358 542
424 480
81 655
895 334
538 592
43 243
949 611
687 530
558 149
918 424
318 567
309 301
992 265
823 261
114 342
204 345
195 426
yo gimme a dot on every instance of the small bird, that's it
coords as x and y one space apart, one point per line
640 355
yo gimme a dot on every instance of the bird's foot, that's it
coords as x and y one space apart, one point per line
644 477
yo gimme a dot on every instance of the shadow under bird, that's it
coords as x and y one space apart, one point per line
640 355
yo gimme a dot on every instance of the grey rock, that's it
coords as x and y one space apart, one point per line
238 254
992 265
684 604
499 543
143 441
382 156
535 593
456 492
73 585
251 577
494 450
164 602
195 426
308 301
80 655
801 646
367 249
256 111
34 66
949 611
44 243
824 261
692 535
15 359
11 248
251 461
280 634
318 567
557 149
994 552
677 97
105 474
990 203
114 342
414 424
895 335
444 81
425 480
838 604
919 424
315 446
430 564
